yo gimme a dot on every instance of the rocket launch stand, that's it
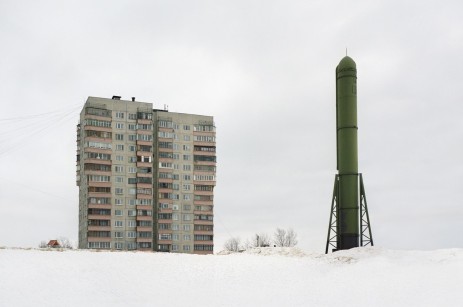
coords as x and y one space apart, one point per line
333 237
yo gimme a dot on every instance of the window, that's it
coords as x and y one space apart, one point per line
118 169
143 115
131 212
165 165
187 167
186 127
119 191
96 155
187 177
165 145
166 135
132 202
119 223
176 186
99 145
175 226
132 116
163 206
175 207
119 126
132 180
132 127
118 234
97 123
204 177
131 245
204 247
132 159
186 247
132 191
175 216
186 207
131 223
186 137
99 245
186 237
98 178
174 247
99 200
187 217
120 147
119 201
132 148
118 212
119 114
144 137
175 156
186 157
165 124
204 138
186 147
144 234
203 128
205 158
186 187
132 137
119 180
175 237
162 226
176 147
186 227
131 234
145 202
118 245
165 236
132 170
186 196
120 158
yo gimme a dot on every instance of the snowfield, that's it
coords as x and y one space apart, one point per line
260 277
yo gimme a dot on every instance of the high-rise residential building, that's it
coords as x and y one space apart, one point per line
146 178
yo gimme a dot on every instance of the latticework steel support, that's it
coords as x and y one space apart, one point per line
366 237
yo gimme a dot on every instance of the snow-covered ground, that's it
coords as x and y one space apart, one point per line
261 277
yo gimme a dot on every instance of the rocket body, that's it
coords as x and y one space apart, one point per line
347 155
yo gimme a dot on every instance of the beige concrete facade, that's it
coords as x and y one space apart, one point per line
146 178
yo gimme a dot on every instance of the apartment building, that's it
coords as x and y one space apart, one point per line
146 178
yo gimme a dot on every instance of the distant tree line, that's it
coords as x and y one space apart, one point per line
281 238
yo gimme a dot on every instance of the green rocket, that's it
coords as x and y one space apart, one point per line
349 219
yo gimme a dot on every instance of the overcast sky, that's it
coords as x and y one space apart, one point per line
265 71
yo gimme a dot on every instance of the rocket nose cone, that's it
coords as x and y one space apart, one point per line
346 62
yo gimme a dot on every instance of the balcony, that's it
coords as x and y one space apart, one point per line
144 239
144 164
99 217
99 206
99 239
99 228
144 218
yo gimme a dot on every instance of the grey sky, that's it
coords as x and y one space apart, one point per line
265 70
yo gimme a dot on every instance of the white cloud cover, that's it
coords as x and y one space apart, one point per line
265 70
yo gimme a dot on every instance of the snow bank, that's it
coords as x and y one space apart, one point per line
259 277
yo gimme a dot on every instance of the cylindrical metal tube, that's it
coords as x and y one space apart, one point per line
347 156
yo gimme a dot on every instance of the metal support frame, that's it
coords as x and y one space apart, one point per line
366 238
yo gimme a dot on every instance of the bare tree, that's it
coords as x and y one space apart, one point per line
65 243
260 240
285 238
232 245
279 237
291 238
